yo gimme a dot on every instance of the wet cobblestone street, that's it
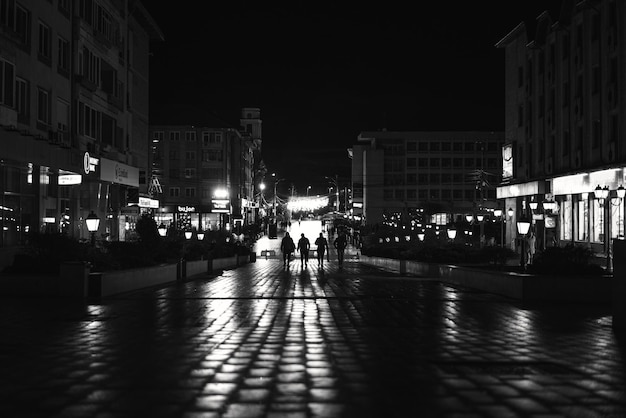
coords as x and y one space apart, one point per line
264 341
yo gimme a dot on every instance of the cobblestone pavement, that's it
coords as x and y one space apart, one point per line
265 341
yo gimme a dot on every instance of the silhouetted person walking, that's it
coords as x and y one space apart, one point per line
287 247
303 246
322 246
340 243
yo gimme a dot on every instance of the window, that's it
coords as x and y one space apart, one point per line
582 220
411 163
411 194
190 173
103 22
422 146
174 136
411 146
388 194
190 155
457 162
174 191
45 43
89 66
63 57
173 155
422 162
435 146
7 82
434 162
190 136
63 116
157 136
190 192
89 121
411 178
43 106
446 146
469 147
22 102
399 194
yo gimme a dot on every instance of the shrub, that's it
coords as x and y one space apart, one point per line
570 259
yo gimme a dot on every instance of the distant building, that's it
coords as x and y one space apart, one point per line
73 115
565 106
442 176
205 167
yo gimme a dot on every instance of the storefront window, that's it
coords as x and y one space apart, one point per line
597 231
582 220
566 219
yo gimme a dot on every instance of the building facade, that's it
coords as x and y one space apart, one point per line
73 114
441 175
205 169
564 124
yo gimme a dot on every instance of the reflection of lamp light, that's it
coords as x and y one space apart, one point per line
188 234
162 230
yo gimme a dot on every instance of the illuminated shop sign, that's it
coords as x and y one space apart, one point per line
116 172
507 161
70 179
220 206
185 209
146 202
89 163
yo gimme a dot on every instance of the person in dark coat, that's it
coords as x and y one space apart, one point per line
340 243
304 246
322 246
287 247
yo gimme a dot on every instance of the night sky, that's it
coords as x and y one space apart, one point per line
322 72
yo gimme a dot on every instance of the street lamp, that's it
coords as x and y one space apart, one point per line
162 229
200 235
523 225
307 190
451 234
93 222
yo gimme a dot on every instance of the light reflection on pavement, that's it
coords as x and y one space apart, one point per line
302 342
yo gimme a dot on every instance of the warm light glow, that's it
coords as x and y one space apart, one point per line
480 217
497 212
188 234
297 204
510 212
92 221
621 192
452 233
523 226
533 205
200 236
262 186
162 230
469 218
220 193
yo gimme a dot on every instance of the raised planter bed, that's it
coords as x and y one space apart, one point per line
77 280
523 287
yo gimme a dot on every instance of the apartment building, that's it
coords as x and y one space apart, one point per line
73 114
206 168
565 125
441 175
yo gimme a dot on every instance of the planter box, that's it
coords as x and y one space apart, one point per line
523 287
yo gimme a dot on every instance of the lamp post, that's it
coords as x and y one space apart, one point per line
307 190
451 233
601 194
498 213
93 222
274 206
523 225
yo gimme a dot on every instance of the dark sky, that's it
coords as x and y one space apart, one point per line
322 72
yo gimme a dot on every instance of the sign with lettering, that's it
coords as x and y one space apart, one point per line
120 173
146 202
89 163
185 209
220 206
